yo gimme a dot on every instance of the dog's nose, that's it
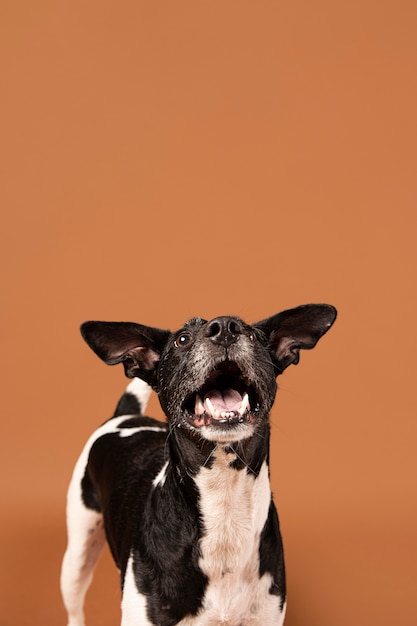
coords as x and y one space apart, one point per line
224 330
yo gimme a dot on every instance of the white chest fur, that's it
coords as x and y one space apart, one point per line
234 506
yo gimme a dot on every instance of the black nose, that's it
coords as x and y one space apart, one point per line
224 330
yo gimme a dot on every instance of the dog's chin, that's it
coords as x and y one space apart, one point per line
223 430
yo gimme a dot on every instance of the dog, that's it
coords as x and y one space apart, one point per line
186 505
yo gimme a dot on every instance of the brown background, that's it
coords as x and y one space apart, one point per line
168 159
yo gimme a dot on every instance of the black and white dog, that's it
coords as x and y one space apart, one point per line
186 506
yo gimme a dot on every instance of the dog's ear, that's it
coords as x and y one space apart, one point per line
296 329
137 347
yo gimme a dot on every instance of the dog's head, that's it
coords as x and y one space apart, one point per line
214 378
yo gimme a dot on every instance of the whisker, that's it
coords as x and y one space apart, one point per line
242 460
209 457
169 433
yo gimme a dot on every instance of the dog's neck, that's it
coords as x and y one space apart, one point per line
190 453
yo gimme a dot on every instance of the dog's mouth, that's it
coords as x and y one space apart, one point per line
226 398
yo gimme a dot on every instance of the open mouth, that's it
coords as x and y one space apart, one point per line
226 398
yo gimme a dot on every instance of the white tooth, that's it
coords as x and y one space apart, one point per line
245 404
210 407
199 406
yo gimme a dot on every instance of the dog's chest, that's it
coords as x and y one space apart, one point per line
234 507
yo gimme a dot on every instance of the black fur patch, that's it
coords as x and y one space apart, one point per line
128 405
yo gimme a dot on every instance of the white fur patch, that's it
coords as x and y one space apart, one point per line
127 432
133 602
160 479
141 391
228 435
234 507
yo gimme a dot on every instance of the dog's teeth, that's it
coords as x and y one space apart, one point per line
199 406
245 406
210 408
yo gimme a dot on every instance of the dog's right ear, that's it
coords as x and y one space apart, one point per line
137 347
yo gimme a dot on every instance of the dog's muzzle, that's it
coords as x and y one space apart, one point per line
226 398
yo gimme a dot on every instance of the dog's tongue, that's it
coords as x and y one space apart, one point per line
225 400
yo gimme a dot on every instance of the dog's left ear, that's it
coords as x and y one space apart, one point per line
296 329
137 347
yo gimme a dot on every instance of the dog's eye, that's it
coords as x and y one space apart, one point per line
183 340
